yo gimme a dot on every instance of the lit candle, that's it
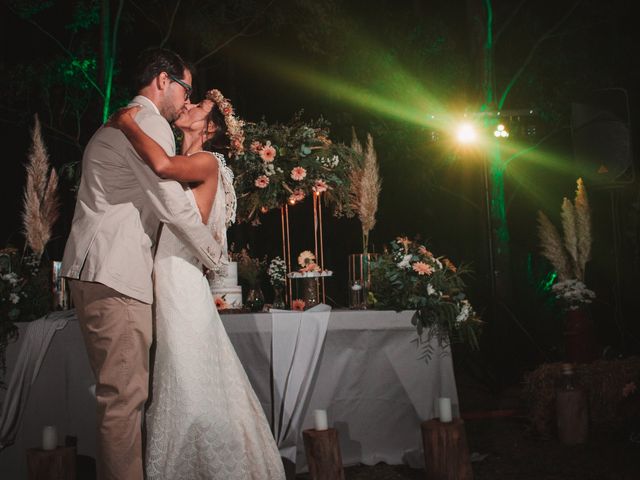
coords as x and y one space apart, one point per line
49 438
320 417
444 407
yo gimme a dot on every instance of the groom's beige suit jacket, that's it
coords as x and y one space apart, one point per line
119 207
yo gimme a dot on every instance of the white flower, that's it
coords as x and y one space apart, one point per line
277 271
14 298
405 262
329 162
269 169
574 293
10 277
465 311
430 289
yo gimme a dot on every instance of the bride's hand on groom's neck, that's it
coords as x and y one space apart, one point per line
121 118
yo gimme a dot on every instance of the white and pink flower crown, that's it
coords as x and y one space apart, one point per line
235 130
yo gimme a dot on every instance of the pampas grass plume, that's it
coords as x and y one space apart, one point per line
40 203
552 248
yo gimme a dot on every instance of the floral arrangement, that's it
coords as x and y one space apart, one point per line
277 272
407 276
285 163
309 267
570 253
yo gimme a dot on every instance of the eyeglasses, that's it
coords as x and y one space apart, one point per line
187 88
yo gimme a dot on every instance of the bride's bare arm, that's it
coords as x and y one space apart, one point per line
193 168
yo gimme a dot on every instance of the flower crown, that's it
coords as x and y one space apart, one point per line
235 126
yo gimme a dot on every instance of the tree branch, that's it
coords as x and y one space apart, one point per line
147 17
62 47
507 22
233 37
532 52
173 17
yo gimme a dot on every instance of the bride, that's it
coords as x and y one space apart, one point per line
204 421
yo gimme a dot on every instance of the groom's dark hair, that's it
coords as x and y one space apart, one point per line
153 61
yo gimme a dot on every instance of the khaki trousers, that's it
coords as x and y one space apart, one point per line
117 332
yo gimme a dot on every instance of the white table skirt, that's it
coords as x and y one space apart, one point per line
369 379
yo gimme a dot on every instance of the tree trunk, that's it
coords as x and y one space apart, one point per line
446 455
58 464
323 454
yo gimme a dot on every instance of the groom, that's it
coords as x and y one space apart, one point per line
120 208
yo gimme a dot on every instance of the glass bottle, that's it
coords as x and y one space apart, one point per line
278 297
255 299
355 295
571 408
310 291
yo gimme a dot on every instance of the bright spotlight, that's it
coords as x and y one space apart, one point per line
466 133
501 131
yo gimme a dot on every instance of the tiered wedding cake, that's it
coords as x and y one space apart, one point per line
226 291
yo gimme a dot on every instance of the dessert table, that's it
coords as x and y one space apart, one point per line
362 367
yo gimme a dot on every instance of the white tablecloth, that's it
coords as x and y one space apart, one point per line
369 379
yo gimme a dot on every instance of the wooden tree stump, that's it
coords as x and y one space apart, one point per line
446 455
323 454
58 464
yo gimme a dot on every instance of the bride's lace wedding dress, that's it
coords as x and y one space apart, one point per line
204 420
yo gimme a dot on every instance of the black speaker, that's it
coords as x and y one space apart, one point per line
601 134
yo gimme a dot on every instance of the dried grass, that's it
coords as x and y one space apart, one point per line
583 225
365 186
570 253
603 382
41 202
552 247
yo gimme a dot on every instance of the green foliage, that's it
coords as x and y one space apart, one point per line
250 270
409 277
85 16
24 295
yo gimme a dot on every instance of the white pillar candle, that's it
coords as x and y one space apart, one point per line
49 438
320 419
444 407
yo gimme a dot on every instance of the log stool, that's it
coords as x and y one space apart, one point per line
323 454
446 455
58 464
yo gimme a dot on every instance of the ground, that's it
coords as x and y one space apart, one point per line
514 452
